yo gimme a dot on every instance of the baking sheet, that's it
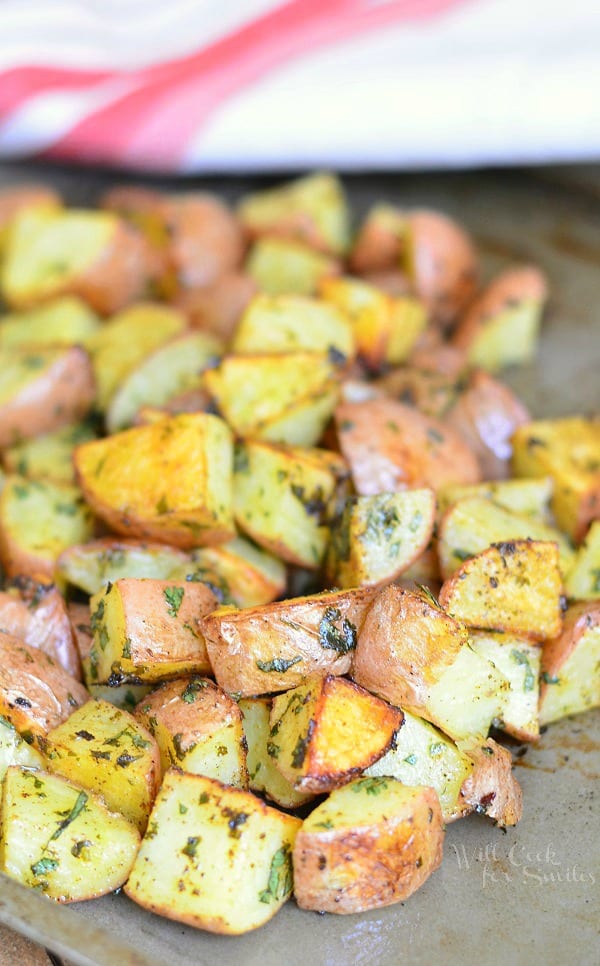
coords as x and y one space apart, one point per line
498 897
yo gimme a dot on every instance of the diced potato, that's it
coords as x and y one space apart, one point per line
441 262
491 789
486 414
570 662
291 323
282 267
422 755
583 579
302 488
90 566
42 390
379 241
36 693
14 750
125 696
172 369
91 254
62 840
245 575
513 587
278 646
414 655
198 728
327 731
568 450
204 238
378 537
126 340
38 520
385 327
370 844
527 497
281 398
430 392
264 775
501 327
64 321
19 198
390 446
214 857
474 523
146 630
519 660
312 209
106 750
48 457
217 308
170 481
196 400
36 612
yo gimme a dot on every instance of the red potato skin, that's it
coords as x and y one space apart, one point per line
218 307
491 787
36 612
556 651
486 414
120 276
79 616
63 394
376 248
391 446
512 286
443 264
393 281
206 240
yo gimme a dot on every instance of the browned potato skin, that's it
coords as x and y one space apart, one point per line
36 693
391 280
206 240
491 787
13 200
36 612
434 354
376 248
61 395
556 651
192 401
236 639
486 415
515 284
443 264
390 874
391 446
400 668
218 307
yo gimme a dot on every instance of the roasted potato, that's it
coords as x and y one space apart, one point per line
36 612
379 241
19 198
238 572
491 789
519 660
263 774
49 456
63 321
570 661
281 267
583 579
217 308
90 566
291 323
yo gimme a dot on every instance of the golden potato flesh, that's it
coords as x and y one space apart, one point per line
263 774
570 661
370 844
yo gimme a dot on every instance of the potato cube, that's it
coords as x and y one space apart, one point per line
42 389
18 198
370 844
281 398
327 731
49 456
105 749
568 450
90 566
263 774
146 630
38 520
526 497
64 321
422 755
491 789
519 660
513 587
570 661
198 728
378 537
379 240
170 481
238 572
36 693
282 267
62 840
14 750
214 857
35 611
583 579
276 647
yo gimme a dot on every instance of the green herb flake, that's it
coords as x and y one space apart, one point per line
278 665
173 597
372 786
182 808
436 749
520 657
80 848
44 866
550 678
192 689
326 824
341 639
279 883
191 846
77 809
410 759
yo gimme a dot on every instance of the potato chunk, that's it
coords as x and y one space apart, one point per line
514 587
237 572
170 481
105 749
14 750
491 789
36 612
327 731
49 456
570 661
278 646
198 728
62 840
214 857
390 446
291 323
282 267
64 321
519 660
146 630
90 566
263 774
370 844
568 450
583 579
378 243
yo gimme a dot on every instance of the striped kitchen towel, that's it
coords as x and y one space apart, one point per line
194 85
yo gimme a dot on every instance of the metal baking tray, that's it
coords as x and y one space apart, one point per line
499 897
